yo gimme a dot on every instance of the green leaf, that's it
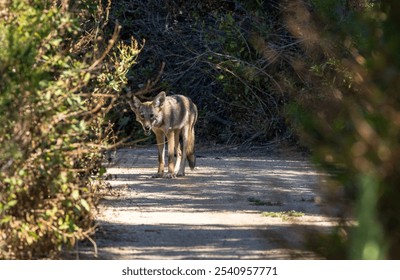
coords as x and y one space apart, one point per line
12 203
85 204
75 194
86 78
5 220
102 171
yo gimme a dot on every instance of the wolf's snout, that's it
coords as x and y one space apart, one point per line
147 129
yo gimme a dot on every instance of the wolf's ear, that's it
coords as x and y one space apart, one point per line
135 105
159 99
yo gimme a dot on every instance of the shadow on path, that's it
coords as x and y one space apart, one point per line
215 212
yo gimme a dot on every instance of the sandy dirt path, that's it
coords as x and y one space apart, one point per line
221 210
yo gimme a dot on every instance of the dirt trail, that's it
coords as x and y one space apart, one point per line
215 212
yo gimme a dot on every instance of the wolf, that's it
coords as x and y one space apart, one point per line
172 117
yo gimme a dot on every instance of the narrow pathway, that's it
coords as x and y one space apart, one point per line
222 210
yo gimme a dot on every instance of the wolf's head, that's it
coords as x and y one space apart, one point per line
148 113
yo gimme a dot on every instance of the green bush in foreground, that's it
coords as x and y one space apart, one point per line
58 78
349 116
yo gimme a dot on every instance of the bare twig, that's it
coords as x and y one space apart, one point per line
108 49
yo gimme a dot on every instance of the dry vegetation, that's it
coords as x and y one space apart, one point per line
59 78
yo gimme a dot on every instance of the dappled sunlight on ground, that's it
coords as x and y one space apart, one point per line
214 212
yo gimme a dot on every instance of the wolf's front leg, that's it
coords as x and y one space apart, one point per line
161 154
171 153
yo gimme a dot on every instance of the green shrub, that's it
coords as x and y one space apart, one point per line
59 77
348 116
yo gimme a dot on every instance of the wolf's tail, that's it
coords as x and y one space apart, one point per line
190 151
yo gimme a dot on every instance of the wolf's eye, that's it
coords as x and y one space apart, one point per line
142 115
151 116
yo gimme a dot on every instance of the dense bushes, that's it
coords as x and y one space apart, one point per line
213 53
58 78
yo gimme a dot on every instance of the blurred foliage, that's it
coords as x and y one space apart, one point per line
59 78
348 113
